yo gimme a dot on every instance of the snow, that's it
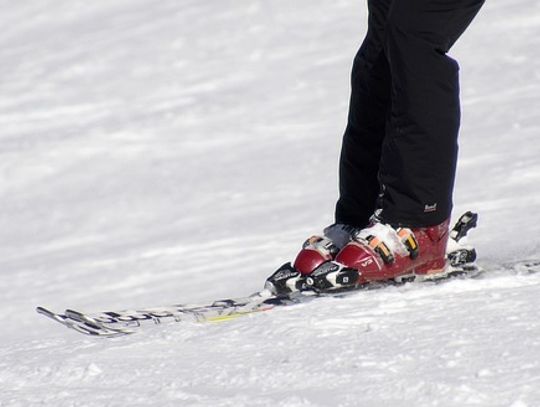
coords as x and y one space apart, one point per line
179 151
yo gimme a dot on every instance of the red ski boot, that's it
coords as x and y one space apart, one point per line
315 257
381 252
346 258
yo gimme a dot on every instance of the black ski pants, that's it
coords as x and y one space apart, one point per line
400 148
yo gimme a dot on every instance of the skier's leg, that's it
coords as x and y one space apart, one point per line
419 151
419 155
362 141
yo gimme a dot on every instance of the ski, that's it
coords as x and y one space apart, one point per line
111 324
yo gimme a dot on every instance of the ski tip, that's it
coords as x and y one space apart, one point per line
44 311
51 314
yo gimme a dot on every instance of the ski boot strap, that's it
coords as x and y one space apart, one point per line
386 241
409 241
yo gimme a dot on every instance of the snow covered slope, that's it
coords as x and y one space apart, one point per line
179 151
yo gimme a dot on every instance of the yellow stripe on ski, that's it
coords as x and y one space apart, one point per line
225 318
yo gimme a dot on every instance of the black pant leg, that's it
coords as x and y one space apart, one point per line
419 155
368 108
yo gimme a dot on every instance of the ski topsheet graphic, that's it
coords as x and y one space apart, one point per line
118 323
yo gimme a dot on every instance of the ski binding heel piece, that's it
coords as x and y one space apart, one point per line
466 222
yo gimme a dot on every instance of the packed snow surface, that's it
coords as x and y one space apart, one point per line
157 152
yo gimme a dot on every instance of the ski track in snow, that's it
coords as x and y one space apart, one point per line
179 151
